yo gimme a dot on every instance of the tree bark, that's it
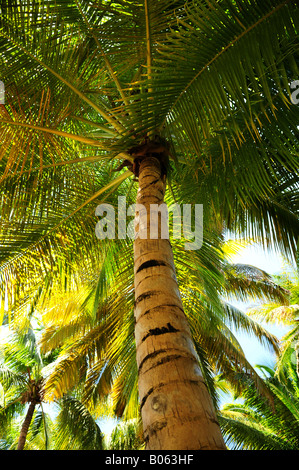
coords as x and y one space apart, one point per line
176 408
25 426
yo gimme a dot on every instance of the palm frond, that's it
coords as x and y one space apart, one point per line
76 428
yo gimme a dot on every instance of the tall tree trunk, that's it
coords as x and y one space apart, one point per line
25 426
176 408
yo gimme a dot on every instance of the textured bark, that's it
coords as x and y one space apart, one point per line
25 426
177 410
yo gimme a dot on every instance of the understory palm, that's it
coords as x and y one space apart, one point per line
89 84
22 384
26 420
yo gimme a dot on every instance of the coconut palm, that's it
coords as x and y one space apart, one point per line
22 383
261 424
23 376
284 313
178 92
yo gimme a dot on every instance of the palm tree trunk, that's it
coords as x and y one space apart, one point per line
176 408
25 426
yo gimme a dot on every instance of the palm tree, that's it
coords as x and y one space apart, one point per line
89 83
23 376
22 381
261 424
285 313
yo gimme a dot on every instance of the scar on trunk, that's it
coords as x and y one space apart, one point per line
150 264
154 428
160 331
164 360
146 295
150 356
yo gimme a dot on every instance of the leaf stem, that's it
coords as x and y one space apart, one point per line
83 140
